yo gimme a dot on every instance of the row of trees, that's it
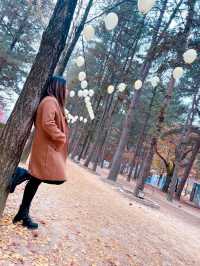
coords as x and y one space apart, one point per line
129 125
140 47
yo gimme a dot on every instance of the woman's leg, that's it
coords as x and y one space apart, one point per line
53 182
18 177
23 213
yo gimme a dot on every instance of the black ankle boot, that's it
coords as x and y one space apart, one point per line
18 177
23 216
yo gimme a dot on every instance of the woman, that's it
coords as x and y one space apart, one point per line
49 149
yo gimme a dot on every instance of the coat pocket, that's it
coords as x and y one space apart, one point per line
55 164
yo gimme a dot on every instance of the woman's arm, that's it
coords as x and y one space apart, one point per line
48 113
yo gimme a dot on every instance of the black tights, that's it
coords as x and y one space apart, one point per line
31 189
29 192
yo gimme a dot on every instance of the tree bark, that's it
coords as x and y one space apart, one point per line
187 171
67 53
17 129
27 148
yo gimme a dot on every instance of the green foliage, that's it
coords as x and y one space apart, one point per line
118 56
20 33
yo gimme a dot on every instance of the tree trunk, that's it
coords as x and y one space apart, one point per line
84 146
185 35
166 184
17 129
149 158
136 170
136 154
67 53
142 135
139 164
187 171
107 127
145 170
98 132
27 148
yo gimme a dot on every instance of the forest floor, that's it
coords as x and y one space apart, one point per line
87 222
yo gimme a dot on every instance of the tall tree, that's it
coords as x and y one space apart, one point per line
18 127
69 48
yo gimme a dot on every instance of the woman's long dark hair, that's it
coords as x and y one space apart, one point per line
56 87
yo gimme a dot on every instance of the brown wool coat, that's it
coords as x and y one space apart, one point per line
50 143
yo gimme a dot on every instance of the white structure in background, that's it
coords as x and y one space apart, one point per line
111 21
89 108
190 56
88 33
155 81
91 93
138 84
84 84
82 76
178 73
80 93
145 6
110 89
80 61
72 94
121 87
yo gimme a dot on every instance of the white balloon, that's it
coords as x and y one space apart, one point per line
90 110
84 84
81 118
85 120
80 61
88 32
92 116
72 93
154 81
138 84
82 76
85 93
80 93
121 87
87 99
91 92
145 6
89 107
178 72
110 89
111 21
190 56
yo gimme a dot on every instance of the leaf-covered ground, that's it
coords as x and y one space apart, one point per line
87 222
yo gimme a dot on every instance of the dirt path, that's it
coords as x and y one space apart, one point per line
86 222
